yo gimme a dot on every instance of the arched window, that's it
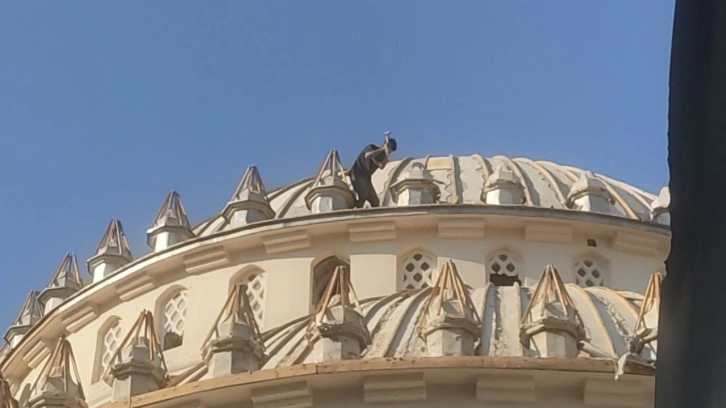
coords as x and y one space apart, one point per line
590 271
255 282
504 268
322 273
417 269
109 340
174 317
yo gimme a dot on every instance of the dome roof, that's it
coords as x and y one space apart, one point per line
609 318
466 179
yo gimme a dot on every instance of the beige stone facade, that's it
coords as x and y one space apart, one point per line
548 294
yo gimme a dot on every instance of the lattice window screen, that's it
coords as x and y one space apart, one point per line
417 270
503 269
589 273
175 313
256 294
111 340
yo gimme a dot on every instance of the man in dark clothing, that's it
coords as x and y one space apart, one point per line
369 160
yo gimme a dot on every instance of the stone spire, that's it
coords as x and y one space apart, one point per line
450 323
113 252
551 325
660 207
646 327
6 396
338 330
234 345
138 366
65 282
589 193
503 187
29 315
417 187
59 384
249 203
330 191
171 225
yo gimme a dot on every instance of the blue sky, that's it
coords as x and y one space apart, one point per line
106 106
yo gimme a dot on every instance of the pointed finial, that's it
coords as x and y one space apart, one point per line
338 330
234 344
648 314
449 289
112 253
332 170
450 323
29 315
171 213
59 379
251 183
65 281
6 396
236 309
114 242
551 320
249 203
140 346
171 224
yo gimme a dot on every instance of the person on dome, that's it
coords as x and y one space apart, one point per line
369 160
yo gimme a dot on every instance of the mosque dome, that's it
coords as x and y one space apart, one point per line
478 280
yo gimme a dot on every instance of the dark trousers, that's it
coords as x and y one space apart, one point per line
364 189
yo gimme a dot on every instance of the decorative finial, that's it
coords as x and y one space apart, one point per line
338 331
58 381
551 317
234 344
65 281
29 315
590 193
417 187
660 207
171 225
249 203
503 187
450 322
113 252
138 365
330 190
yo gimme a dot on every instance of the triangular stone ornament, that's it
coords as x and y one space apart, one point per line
450 323
249 203
551 325
338 330
138 365
112 253
330 190
589 193
29 315
646 327
6 396
171 225
660 207
59 384
234 345
503 187
65 281
416 187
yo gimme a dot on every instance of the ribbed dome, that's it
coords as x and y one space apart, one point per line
466 180
609 318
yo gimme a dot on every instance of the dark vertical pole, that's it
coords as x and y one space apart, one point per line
691 368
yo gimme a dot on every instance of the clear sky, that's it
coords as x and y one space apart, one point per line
106 106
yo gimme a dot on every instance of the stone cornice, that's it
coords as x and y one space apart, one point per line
206 253
404 375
